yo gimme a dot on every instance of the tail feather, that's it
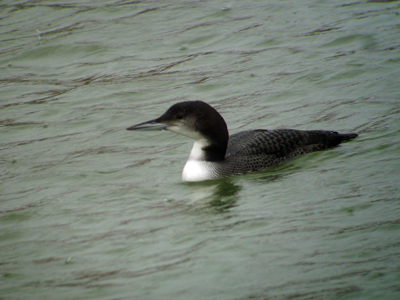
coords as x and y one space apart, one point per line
328 138
348 136
335 138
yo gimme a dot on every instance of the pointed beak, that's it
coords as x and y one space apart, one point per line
149 125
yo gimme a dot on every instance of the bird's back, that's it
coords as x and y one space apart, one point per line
258 149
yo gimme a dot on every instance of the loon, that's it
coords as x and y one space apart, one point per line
216 155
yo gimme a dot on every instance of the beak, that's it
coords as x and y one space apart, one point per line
149 125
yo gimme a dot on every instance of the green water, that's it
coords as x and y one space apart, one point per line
89 210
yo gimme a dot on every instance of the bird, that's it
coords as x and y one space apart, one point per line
216 155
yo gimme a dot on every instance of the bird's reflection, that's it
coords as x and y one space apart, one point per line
219 195
223 194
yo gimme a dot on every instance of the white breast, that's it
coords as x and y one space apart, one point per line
196 170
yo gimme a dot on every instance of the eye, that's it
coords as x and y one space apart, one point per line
179 116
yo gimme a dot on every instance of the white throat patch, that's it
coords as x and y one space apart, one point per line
197 152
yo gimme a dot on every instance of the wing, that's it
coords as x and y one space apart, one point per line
255 150
282 142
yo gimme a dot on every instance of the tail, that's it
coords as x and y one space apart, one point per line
335 138
348 136
329 138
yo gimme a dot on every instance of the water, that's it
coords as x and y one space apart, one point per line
92 211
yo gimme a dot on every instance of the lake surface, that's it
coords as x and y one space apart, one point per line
89 210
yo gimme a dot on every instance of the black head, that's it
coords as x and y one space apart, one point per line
194 116
196 120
